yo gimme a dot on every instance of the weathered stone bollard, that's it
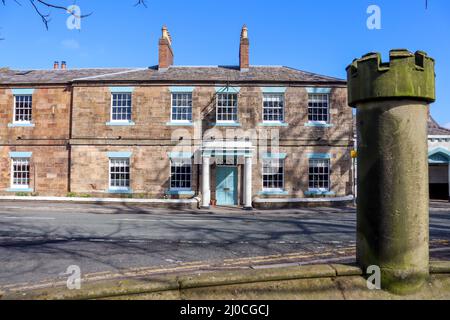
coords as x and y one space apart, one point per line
393 200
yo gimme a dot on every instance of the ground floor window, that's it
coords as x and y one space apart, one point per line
20 173
180 174
273 174
119 174
319 174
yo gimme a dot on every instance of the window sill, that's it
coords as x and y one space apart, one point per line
319 193
318 124
120 123
180 193
225 124
118 191
19 190
273 124
274 192
21 125
180 124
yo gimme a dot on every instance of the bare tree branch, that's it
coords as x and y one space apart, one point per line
45 17
141 2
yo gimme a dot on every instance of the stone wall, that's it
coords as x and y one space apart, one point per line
152 104
150 171
48 169
46 140
152 138
51 106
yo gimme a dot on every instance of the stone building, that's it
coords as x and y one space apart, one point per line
438 160
227 135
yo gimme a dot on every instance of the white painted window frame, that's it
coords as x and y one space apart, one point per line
328 108
116 188
329 176
14 109
282 189
171 108
111 107
20 186
184 160
237 108
283 96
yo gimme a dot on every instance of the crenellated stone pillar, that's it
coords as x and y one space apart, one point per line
392 100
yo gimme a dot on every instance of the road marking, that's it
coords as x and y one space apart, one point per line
439 249
446 229
168 220
30 218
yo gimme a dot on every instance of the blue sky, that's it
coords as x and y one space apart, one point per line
321 36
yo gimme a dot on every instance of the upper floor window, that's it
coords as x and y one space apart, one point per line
23 106
273 174
181 107
318 108
273 107
119 174
180 174
319 174
121 107
20 173
227 106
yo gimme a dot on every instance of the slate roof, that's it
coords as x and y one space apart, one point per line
8 76
275 74
434 129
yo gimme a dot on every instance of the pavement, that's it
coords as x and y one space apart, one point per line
39 241
317 282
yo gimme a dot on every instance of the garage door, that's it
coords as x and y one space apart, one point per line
438 174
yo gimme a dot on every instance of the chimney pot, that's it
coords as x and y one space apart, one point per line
56 65
244 59
63 65
165 52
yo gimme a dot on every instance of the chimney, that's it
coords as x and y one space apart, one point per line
56 65
165 50
63 65
244 62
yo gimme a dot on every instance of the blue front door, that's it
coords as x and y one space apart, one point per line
226 186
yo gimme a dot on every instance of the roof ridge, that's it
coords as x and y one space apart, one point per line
74 69
313 73
110 74
438 126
